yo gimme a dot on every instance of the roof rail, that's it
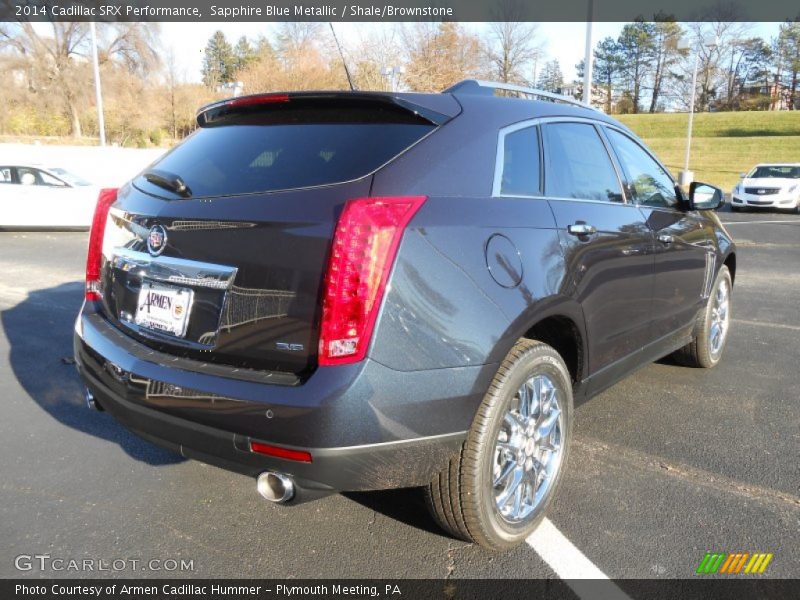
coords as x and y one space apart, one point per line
488 88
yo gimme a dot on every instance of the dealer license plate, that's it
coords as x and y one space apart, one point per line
164 309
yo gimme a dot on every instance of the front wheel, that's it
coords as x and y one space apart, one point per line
712 327
496 491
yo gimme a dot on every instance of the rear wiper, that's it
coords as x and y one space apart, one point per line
168 181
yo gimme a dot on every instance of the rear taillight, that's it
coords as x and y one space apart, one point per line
364 248
94 255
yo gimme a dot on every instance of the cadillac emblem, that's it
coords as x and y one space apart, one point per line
156 240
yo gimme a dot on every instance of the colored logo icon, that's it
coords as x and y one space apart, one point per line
734 564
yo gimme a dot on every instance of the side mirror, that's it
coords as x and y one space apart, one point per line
742 175
703 196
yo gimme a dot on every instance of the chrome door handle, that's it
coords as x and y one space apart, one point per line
666 239
582 229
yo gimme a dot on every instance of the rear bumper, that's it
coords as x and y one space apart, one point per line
367 427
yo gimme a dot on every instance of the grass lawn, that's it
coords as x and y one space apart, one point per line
719 160
723 124
723 144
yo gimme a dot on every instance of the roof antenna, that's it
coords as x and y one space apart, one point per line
344 62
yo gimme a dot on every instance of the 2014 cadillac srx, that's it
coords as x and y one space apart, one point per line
340 291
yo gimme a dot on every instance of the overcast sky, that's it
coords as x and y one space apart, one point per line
563 41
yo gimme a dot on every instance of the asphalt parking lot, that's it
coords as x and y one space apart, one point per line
667 465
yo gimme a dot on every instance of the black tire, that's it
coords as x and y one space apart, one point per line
698 353
461 498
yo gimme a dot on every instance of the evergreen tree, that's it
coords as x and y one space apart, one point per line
219 62
637 51
665 54
787 51
244 54
608 65
551 79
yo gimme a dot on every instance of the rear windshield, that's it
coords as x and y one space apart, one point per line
307 148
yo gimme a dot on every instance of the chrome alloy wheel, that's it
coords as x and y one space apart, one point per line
720 318
528 449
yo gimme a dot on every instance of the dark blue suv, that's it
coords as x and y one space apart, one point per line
340 291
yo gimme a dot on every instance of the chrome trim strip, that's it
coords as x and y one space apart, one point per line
500 159
333 450
177 271
501 154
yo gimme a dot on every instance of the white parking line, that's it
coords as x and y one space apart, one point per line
571 565
786 222
767 324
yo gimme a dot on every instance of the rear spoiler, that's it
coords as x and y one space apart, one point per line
276 108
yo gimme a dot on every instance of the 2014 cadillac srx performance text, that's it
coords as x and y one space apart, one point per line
341 291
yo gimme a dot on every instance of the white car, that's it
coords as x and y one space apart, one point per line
769 186
37 197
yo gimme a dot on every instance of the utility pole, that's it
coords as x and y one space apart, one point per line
101 123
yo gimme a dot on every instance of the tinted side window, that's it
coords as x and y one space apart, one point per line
649 184
520 175
577 164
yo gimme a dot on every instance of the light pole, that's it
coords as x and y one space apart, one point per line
98 94
392 73
686 176
587 61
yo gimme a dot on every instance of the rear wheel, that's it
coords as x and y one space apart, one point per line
496 491
711 329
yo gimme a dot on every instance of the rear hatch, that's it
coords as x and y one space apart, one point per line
218 250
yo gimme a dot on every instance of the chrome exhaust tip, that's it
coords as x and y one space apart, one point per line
90 400
275 487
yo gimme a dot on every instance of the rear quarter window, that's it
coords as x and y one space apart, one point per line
519 174
304 148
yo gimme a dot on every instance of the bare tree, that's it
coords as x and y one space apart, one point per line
440 55
292 37
57 64
172 79
378 49
511 49
714 42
